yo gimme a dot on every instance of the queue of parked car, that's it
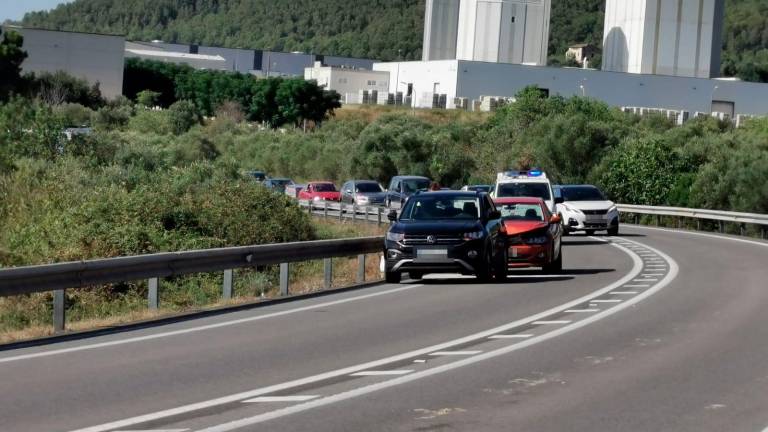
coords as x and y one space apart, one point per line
481 230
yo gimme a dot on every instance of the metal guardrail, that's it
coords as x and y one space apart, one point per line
341 211
83 274
699 214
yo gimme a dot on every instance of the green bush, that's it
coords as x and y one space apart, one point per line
182 115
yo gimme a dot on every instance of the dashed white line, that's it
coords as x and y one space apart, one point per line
382 373
608 301
624 292
582 310
637 286
419 361
550 322
511 336
278 399
652 274
454 353
153 430
644 280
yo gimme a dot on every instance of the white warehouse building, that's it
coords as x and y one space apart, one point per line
664 37
468 80
351 84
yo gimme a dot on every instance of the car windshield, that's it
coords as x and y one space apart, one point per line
534 190
258 175
324 187
526 212
441 208
582 193
414 185
367 188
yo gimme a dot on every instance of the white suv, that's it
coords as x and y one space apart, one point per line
532 183
585 208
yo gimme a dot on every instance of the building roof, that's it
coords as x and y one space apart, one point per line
175 54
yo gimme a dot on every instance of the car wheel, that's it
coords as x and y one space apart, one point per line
501 269
392 277
485 272
555 266
416 275
613 231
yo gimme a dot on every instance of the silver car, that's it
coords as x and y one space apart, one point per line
362 193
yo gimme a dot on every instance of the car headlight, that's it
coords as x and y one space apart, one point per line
536 240
475 235
395 237
613 209
317 198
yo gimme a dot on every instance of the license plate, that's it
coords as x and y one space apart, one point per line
594 218
432 254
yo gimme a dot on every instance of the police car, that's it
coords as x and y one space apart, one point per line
532 183
585 208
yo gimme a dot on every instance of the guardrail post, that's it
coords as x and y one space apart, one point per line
742 229
378 215
153 299
360 268
327 273
325 209
762 232
354 212
698 224
226 289
341 211
722 226
284 269
658 220
59 311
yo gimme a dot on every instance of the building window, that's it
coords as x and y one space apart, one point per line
371 82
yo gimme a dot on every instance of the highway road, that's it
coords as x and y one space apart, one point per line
651 331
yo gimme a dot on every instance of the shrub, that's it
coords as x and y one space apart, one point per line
182 115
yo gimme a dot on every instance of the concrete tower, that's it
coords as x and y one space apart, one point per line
504 31
441 23
664 37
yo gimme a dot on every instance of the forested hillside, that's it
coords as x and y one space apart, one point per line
380 29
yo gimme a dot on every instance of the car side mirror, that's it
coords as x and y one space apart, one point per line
494 214
555 219
392 216
559 200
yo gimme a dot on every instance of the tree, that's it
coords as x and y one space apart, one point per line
148 98
263 106
182 116
11 57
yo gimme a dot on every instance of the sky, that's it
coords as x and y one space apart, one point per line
15 9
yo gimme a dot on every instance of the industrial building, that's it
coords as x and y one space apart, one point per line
461 83
503 31
664 37
355 86
96 58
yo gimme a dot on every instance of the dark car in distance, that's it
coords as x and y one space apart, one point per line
445 232
402 187
277 184
363 193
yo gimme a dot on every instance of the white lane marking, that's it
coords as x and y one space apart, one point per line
646 280
511 336
419 361
551 322
636 286
237 424
608 301
637 266
651 274
205 327
624 292
454 353
382 372
650 266
700 234
153 430
278 399
577 311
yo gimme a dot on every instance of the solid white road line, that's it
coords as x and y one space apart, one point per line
277 399
205 327
238 424
511 336
582 310
381 373
636 269
551 322
454 353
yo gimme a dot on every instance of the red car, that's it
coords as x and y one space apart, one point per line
533 234
320 191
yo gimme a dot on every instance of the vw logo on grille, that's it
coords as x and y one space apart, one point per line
431 239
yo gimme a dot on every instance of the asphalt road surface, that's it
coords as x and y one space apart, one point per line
650 331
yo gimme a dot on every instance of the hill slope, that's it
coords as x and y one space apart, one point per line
379 29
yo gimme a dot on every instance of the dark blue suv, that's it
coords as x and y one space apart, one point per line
402 187
446 232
